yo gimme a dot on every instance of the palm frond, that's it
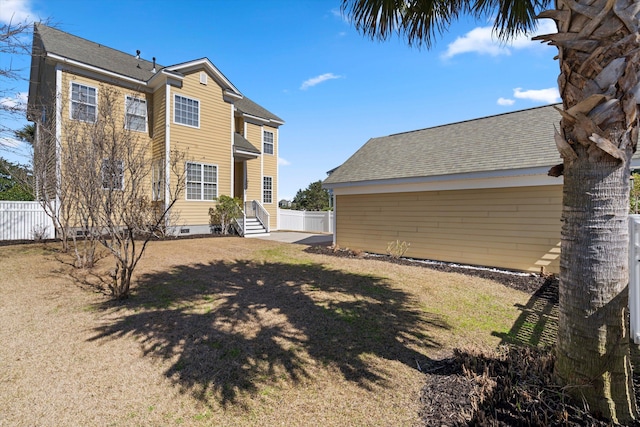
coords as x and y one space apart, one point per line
421 21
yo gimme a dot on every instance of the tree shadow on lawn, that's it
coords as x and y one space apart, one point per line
239 328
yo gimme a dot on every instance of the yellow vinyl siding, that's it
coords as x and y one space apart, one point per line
117 111
513 228
270 168
254 169
208 144
157 122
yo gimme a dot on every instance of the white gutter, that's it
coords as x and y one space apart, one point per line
476 180
95 69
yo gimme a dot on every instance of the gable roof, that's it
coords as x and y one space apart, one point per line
64 46
518 140
72 47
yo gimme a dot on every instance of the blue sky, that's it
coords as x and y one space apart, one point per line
303 61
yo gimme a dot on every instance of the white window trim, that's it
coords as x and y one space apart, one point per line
263 190
121 179
126 113
272 143
186 192
71 101
175 95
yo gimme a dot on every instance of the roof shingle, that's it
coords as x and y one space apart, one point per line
522 139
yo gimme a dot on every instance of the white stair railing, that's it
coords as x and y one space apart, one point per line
262 214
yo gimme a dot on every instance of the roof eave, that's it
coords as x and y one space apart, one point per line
82 65
489 179
215 72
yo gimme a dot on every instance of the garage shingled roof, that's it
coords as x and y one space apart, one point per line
517 140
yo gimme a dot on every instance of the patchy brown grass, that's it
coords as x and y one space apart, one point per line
229 331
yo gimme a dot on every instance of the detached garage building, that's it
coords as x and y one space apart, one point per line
475 192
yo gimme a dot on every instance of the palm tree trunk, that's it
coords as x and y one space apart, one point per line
593 338
598 45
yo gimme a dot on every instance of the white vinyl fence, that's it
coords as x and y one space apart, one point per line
24 221
634 276
314 222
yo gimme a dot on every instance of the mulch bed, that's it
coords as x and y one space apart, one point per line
529 283
514 386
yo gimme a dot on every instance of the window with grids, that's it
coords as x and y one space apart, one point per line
267 138
84 102
186 111
202 181
267 189
112 172
136 114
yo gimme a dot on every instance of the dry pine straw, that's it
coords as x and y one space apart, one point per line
232 331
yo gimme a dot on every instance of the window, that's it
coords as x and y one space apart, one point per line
157 180
267 144
136 114
186 111
112 174
202 181
84 104
267 189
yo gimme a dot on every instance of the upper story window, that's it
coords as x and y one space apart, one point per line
202 181
84 102
135 114
267 142
186 111
112 172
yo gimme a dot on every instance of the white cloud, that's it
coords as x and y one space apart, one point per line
549 96
15 11
283 162
337 13
10 143
484 41
318 79
19 102
505 101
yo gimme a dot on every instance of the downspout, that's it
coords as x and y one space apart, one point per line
167 152
274 189
335 218
58 137
232 168
244 185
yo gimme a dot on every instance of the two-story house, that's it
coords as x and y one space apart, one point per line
231 142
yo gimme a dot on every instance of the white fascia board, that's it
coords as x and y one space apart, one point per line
213 70
97 70
165 77
246 153
261 121
477 180
255 119
232 94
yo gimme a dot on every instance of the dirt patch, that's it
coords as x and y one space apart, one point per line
511 387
